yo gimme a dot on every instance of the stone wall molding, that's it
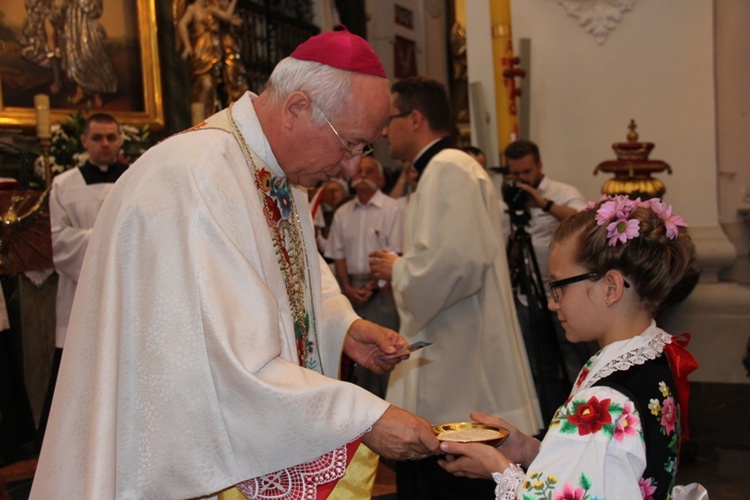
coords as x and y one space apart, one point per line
597 17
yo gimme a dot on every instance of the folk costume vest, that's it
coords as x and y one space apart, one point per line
653 391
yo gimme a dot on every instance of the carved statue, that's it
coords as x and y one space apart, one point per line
459 85
206 40
232 69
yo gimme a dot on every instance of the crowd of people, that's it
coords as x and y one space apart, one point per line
222 301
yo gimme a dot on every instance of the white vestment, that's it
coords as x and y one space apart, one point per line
73 207
180 374
452 288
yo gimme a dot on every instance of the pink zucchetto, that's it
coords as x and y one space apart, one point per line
342 50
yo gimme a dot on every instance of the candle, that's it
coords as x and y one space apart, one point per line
197 113
41 104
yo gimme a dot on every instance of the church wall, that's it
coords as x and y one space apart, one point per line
733 127
428 32
659 66
656 67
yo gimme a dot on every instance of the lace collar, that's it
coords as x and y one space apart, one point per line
620 356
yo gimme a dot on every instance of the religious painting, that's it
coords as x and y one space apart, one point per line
403 17
85 54
405 57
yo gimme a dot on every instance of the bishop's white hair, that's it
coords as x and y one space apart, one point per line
328 87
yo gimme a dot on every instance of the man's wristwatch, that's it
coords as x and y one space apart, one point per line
548 206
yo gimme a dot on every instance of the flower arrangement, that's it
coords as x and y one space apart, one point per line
66 150
615 212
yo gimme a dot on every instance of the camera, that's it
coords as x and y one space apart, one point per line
514 196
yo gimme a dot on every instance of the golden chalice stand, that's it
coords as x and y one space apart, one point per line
25 240
633 169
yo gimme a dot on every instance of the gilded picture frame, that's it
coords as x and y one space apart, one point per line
130 44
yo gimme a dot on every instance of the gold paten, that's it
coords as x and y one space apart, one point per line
462 426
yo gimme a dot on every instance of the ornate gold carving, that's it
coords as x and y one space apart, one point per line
633 169
25 242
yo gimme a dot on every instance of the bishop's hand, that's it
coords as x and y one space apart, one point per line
365 341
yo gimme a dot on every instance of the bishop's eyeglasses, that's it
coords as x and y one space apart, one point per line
349 152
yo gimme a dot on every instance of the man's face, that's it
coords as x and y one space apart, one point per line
102 141
526 170
369 179
398 133
333 194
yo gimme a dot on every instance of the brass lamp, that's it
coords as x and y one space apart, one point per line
633 169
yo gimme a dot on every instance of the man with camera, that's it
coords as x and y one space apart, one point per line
549 201
546 204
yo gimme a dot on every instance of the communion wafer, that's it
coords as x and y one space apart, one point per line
463 435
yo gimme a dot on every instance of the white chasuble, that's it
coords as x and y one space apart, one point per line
180 375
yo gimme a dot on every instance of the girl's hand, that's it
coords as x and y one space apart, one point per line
518 447
474 460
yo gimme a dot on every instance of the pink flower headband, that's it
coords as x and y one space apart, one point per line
615 212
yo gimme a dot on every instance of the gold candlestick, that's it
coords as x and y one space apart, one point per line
45 143
44 132
41 105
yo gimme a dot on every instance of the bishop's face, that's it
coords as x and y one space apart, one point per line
327 148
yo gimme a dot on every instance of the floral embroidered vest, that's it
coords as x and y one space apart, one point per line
652 389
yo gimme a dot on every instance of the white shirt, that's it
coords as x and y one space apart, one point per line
359 229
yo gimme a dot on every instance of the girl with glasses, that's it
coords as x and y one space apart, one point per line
618 434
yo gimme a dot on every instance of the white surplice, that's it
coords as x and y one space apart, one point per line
180 374
73 207
452 289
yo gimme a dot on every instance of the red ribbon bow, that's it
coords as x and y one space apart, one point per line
681 363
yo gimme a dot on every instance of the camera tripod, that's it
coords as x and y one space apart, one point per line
544 351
